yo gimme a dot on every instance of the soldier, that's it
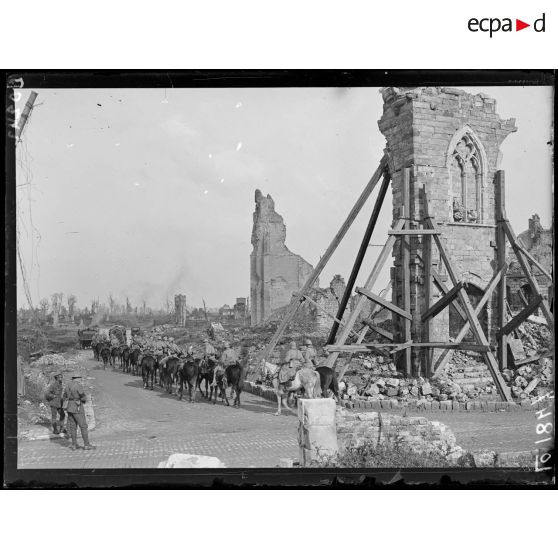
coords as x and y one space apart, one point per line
310 354
54 397
76 397
209 350
291 363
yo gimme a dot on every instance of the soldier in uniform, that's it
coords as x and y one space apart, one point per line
53 396
291 363
209 350
310 354
76 397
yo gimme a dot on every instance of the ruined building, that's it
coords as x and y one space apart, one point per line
445 143
275 272
180 309
538 242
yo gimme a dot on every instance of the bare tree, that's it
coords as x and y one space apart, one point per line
72 299
111 302
128 306
43 303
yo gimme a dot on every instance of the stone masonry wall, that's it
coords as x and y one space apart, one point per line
450 140
275 272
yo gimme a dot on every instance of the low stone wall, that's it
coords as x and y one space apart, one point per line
418 433
416 405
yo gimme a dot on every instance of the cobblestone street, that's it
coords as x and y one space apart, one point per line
140 428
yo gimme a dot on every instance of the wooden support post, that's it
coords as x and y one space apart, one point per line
385 303
519 318
405 243
441 303
527 271
350 322
533 260
359 259
473 320
296 302
482 303
501 261
368 347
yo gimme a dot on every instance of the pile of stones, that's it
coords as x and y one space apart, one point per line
531 380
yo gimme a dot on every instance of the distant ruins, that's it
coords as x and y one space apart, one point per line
538 242
275 272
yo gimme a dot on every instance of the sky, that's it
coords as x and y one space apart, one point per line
149 192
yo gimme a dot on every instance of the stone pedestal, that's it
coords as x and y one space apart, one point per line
317 434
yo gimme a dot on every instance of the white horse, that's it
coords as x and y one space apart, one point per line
305 378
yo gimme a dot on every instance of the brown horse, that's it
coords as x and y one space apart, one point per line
188 373
105 356
125 359
207 373
134 361
232 376
168 373
148 367
115 354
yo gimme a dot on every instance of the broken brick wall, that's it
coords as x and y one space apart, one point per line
538 241
275 272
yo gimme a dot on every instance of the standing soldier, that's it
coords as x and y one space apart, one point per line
310 354
76 397
54 397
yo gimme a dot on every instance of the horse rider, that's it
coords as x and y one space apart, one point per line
228 358
310 353
291 363
75 395
53 396
209 352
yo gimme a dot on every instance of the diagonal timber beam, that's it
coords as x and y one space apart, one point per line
533 260
296 302
465 329
349 324
480 337
383 302
440 304
527 271
442 286
519 318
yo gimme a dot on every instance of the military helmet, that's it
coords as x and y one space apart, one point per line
308 343
292 344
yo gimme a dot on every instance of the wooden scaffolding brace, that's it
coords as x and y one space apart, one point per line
456 295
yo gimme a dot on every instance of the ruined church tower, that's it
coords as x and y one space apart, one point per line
445 143
275 272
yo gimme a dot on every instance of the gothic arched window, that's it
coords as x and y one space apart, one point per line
466 174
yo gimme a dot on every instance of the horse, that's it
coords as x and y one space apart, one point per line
304 378
96 350
105 356
125 359
232 376
168 373
115 353
328 380
148 367
188 372
207 373
134 361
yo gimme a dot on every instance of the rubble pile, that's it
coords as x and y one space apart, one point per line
531 380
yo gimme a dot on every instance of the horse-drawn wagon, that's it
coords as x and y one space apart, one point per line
86 335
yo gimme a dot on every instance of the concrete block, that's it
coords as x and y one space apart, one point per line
316 412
